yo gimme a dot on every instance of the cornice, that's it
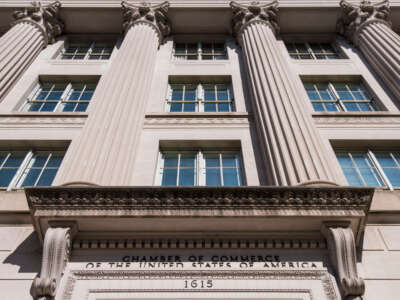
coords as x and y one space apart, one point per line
364 120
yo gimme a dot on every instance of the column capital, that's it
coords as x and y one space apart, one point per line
46 18
244 15
355 17
145 13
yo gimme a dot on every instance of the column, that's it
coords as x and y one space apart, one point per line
368 27
104 153
34 28
291 148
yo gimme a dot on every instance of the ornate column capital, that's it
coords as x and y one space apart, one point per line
355 17
342 252
43 17
154 15
56 253
244 15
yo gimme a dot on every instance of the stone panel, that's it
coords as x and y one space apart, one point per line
391 236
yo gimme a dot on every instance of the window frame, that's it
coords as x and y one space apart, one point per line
86 55
200 165
313 56
371 155
340 104
200 95
63 100
199 54
23 169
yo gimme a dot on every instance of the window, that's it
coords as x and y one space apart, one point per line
371 168
201 50
60 96
28 168
312 51
87 50
207 97
339 96
204 168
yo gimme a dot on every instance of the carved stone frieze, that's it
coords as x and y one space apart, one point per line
342 251
243 15
45 17
195 121
56 253
358 120
154 15
356 17
76 198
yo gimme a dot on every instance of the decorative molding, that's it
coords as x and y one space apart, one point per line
355 17
244 15
40 121
144 13
321 275
209 122
357 120
56 253
43 17
198 244
196 198
342 251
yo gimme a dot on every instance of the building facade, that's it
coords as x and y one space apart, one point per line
199 149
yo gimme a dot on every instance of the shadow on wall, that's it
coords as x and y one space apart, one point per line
28 255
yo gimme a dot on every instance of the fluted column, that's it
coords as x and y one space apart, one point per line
289 144
105 152
34 28
368 26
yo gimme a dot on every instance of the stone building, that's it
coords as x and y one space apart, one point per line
199 150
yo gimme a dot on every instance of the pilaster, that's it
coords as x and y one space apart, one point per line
290 145
105 152
34 28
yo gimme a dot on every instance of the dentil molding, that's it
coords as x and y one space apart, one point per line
43 17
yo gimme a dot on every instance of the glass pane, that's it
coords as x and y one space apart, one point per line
331 107
187 161
206 48
362 160
48 107
15 160
39 160
47 177
177 93
6 175
189 107
69 107
35 107
385 159
209 94
42 95
369 177
229 161
351 106
82 107
344 160
31 177
230 177
192 48
393 175
352 177
175 107
210 107
169 177
171 161
55 95
225 107
190 93
213 177
365 107
55 161
223 94
180 48
207 57
74 95
212 160
87 95
186 177
318 107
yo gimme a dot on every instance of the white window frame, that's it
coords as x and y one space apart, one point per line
91 45
63 99
200 93
371 155
19 177
200 165
312 53
184 57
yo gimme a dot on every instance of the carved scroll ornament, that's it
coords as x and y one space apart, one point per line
44 17
342 251
356 17
154 15
56 252
244 15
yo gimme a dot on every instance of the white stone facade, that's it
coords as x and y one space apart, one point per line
107 230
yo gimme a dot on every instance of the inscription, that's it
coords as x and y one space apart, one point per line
198 284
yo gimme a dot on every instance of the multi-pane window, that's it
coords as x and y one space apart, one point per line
371 168
312 51
28 168
204 168
88 50
60 96
201 50
339 96
206 97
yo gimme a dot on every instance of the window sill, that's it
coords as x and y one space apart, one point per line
46 114
198 115
78 62
356 114
321 61
200 62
